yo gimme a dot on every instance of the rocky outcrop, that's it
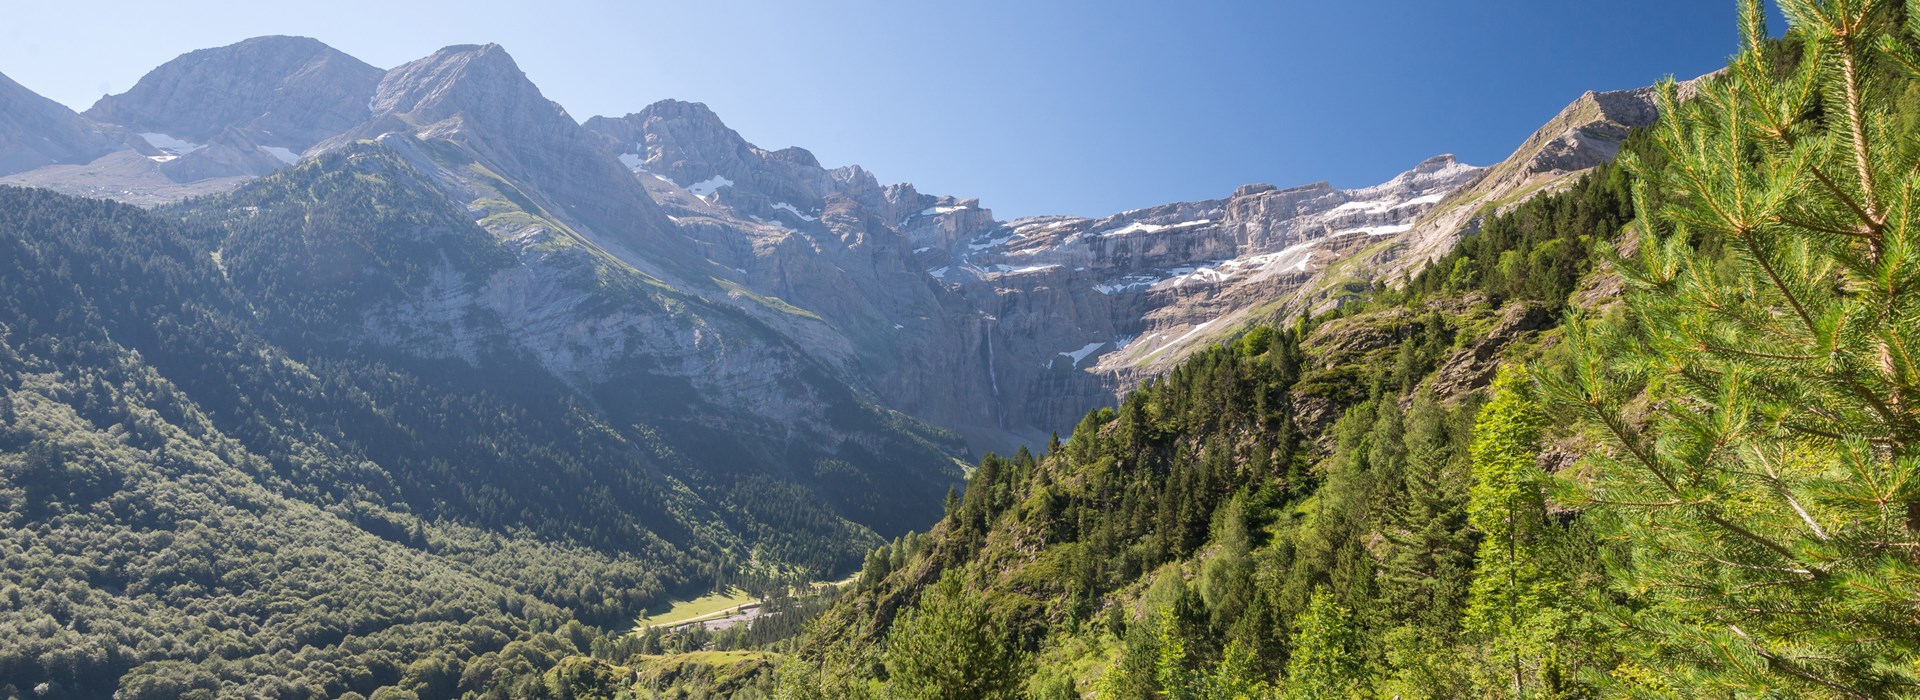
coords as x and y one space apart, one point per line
1473 367
231 153
521 151
707 164
1582 136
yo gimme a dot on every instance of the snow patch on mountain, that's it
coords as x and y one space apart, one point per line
1293 258
796 211
705 188
1083 352
1386 230
1144 227
173 146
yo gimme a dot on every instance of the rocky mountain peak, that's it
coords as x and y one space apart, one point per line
683 141
1439 172
1583 135
283 91
796 156
531 154
481 79
1437 163
1623 106
697 115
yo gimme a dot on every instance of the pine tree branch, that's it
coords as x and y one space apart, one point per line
1833 188
1700 509
1857 124
1773 478
1813 226
1755 353
1794 669
1773 276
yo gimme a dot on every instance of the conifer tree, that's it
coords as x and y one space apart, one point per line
1170 669
1238 676
1506 505
1762 408
1430 546
948 647
1325 662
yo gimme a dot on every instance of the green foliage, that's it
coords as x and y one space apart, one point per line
206 489
1238 677
1325 661
1759 407
949 647
1510 605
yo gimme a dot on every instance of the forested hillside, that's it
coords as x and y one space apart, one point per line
215 484
1650 436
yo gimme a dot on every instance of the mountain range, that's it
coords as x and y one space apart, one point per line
1003 331
546 370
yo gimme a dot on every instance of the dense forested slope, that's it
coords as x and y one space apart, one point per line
215 482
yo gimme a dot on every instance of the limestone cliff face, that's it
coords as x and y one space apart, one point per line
1115 300
1003 330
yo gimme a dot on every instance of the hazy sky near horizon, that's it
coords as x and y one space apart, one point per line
1069 107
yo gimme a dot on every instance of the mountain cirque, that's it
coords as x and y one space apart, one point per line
999 330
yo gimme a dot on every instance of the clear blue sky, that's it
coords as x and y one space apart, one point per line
1036 106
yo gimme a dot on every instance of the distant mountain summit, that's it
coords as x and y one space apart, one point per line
477 98
279 92
204 122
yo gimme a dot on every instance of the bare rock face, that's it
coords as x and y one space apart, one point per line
1001 330
513 143
231 153
665 365
36 132
685 145
1582 136
278 91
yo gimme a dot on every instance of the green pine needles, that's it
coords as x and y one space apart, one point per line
1761 404
1508 604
